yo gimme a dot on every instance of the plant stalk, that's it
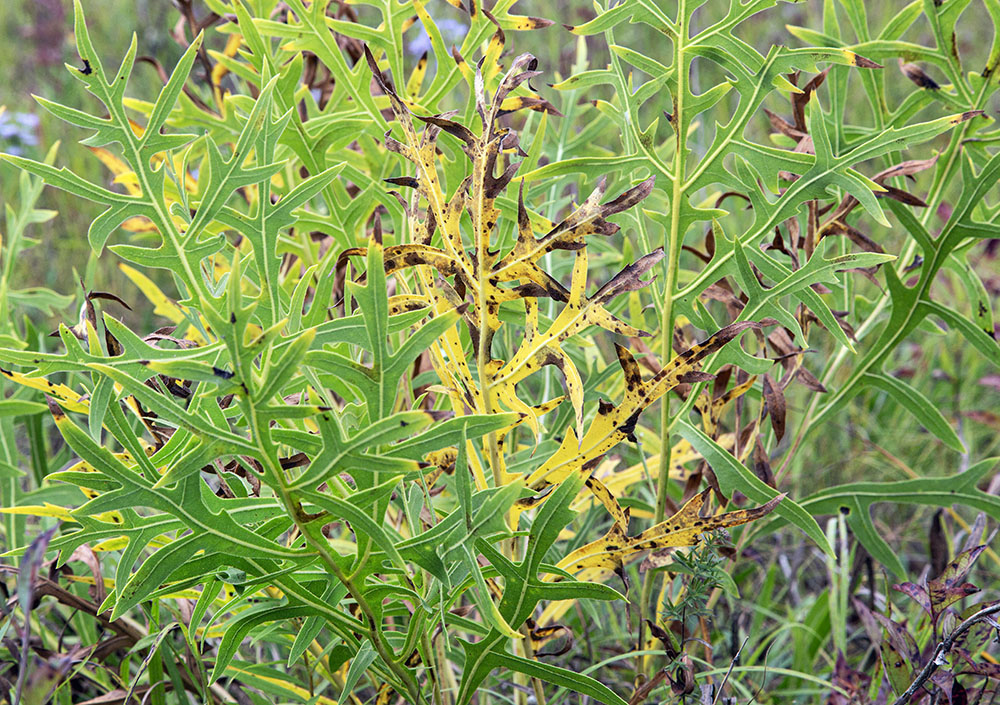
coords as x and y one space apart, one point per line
668 315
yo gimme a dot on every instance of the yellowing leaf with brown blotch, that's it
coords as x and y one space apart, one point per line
541 348
613 424
524 22
66 397
711 409
604 496
449 269
416 79
569 234
598 559
618 482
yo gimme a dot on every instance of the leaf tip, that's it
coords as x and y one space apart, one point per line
861 62
57 412
967 115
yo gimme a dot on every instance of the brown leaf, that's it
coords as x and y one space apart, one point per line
117 697
629 278
761 464
782 126
854 683
979 668
542 635
983 416
85 554
937 544
916 593
907 168
682 682
775 407
800 100
646 689
917 75
810 381
34 556
975 536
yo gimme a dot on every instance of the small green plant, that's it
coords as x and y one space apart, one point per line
422 402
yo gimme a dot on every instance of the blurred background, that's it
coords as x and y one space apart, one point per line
36 41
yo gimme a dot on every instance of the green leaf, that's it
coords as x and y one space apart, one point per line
920 406
732 475
359 664
578 683
858 498
20 407
523 590
237 630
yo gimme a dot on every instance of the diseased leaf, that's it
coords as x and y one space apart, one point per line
598 559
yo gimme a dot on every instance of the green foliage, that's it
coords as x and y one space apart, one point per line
345 471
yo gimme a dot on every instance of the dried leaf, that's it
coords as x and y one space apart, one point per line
918 76
775 407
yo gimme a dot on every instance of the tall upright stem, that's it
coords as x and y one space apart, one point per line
675 238
276 478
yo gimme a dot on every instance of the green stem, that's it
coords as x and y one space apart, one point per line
156 658
667 318
434 663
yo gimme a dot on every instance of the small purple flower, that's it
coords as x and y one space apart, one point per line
27 120
17 131
452 31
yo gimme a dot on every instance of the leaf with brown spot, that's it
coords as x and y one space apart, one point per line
950 586
598 559
614 424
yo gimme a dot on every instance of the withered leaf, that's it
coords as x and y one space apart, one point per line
775 400
918 76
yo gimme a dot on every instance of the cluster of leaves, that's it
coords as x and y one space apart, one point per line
915 660
346 442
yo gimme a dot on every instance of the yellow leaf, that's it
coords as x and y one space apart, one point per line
42 510
599 558
220 69
66 397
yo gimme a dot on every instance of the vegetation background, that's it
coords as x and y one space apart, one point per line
770 623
